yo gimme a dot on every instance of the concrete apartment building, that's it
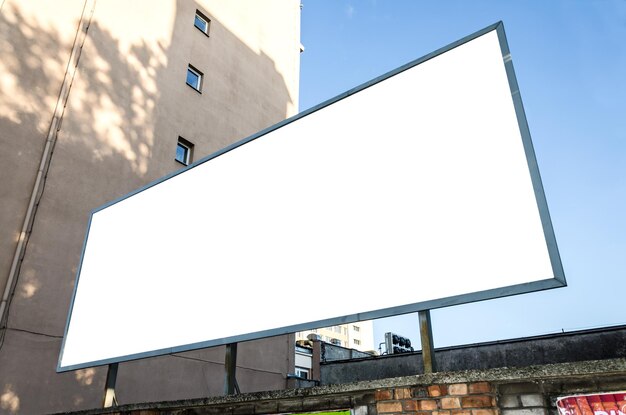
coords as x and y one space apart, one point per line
350 338
358 336
98 98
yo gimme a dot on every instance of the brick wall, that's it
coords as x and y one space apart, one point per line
536 396
523 398
506 391
473 398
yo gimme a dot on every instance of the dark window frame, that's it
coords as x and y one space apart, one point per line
188 146
201 16
199 74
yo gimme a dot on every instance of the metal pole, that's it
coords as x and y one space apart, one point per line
109 399
426 335
230 366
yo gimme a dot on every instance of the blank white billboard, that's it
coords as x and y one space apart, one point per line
414 191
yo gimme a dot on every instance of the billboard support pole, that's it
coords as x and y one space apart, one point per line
230 366
109 399
426 336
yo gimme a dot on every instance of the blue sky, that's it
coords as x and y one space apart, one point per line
570 62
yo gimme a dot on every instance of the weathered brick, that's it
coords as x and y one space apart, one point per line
420 392
484 412
410 405
612 383
290 406
217 410
428 405
266 407
313 404
509 401
402 393
387 407
461 412
476 401
243 409
532 399
441 413
340 402
516 388
524 411
578 385
450 403
364 398
480 387
457 389
383 395
437 390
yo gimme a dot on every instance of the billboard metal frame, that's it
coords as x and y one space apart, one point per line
557 281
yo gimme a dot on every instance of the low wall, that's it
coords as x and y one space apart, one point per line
330 352
530 390
595 344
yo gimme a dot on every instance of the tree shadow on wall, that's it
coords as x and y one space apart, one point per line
115 137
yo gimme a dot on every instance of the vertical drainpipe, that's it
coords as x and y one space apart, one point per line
44 165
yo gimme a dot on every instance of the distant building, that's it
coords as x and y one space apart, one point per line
304 362
99 98
359 335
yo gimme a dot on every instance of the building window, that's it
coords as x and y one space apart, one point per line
202 22
357 342
356 328
302 372
194 78
337 329
184 151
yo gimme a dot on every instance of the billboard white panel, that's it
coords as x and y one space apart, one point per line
416 190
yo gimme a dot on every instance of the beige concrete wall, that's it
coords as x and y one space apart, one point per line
32 68
127 106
